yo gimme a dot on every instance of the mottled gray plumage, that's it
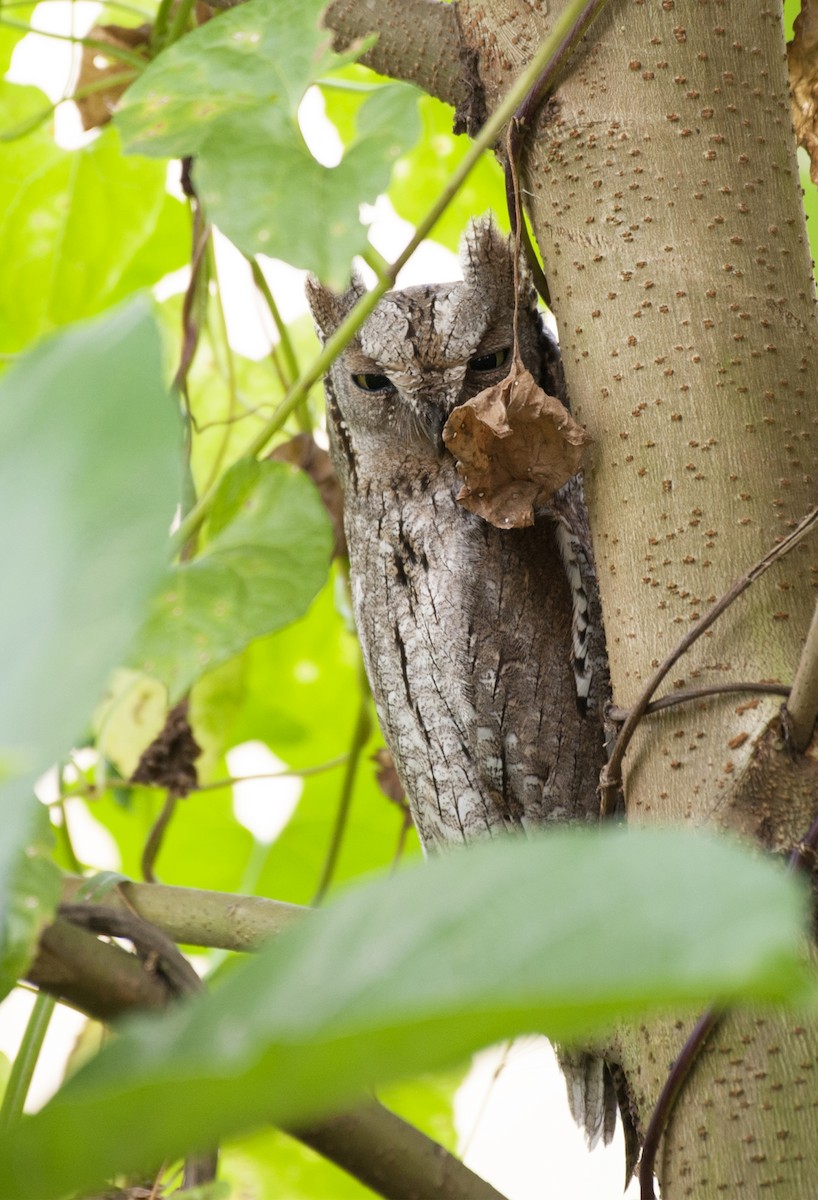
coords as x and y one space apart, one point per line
483 646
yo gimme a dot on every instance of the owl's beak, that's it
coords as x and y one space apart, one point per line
432 421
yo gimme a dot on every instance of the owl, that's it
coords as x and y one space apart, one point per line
483 646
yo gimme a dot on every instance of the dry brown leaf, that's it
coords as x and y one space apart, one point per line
97 107
515 446
802 54
387 777
170 760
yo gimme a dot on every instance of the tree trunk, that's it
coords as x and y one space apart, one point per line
665 200
662 186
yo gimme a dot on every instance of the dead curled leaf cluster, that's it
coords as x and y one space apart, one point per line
802 55
515 446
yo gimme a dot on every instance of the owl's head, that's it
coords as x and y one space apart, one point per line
424 350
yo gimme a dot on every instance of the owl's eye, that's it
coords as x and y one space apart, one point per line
489 362
373 383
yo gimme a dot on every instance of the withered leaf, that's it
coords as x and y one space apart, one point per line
169 760
802 54
97 106
515 446
387 777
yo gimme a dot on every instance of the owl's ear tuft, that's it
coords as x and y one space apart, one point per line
329 309
486 254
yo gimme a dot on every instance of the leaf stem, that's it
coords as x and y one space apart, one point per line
232 387
28 126
360 736
25 1061
284 347
180 19
153 845
93 791
160 26
129 8
287 350
106 48
487 137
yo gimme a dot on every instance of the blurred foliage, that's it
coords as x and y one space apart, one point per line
253 628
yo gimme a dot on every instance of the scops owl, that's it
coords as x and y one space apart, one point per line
483 646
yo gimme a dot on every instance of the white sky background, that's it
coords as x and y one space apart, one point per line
511 1113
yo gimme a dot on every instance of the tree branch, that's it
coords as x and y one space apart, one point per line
393 1158
99 978
418 41
198 918
386 1154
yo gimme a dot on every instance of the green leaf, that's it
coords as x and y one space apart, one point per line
229 94
81 232
262 55
414 972
89 444
33 896
255 176
131 714
25 156
89 441
265 564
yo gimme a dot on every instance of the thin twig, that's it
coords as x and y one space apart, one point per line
190 326
360 736
131 8
676 1079
611 776
284 339
406 825
515 207
802 706
107 48
290 773
156 836
25 1060
232 385
217 920
689 694
93 791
